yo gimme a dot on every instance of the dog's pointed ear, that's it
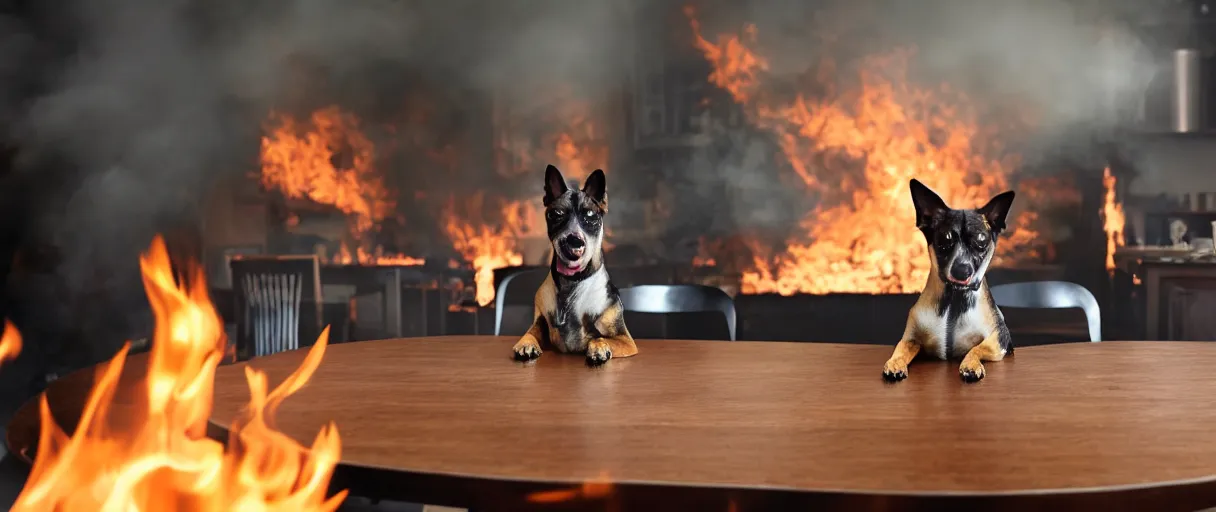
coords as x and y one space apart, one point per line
928 204
596 186
555 184
997 210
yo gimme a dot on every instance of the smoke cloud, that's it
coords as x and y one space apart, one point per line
124 111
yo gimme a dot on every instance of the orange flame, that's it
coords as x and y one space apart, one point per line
161 459
596 488
364 257
329 161
301 160
860 236
487 247
1112 218
10 342
579 151
577 144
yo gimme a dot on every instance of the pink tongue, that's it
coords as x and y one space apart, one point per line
566 270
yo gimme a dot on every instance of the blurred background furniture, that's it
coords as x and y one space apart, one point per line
1051 295
277 303
680 298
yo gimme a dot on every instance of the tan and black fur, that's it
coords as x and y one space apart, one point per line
577 309
955 315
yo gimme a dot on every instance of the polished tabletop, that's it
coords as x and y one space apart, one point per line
442 419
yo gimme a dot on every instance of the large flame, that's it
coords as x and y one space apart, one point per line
329 161
486 246
1112 218
860 236
162 460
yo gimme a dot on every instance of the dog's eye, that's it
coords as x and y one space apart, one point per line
557 213
981 240
945 239
589 214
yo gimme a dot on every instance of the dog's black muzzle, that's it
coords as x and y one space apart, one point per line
571 247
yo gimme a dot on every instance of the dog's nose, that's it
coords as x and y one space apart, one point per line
961 271
575 242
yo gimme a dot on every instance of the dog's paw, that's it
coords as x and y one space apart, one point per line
598 352
971 372
526 350
892 372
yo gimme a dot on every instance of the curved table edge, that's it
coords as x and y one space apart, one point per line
505 493
497 492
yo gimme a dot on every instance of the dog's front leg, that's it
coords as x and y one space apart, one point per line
972 368
614 339
896 368
528 347
600 350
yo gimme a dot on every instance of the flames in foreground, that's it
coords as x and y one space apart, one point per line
160 459
860 237
1112 218
10 342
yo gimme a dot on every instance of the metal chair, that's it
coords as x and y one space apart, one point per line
524 281
270 294
681 298
1051 294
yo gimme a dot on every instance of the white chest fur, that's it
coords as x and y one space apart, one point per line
969 329
589 297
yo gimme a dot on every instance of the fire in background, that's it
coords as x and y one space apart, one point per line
561 129
329 161
1112 218
859 237
488 247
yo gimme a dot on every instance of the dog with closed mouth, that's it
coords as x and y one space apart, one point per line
955 315
577 309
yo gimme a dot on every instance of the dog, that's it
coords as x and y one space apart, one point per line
577 309
955 314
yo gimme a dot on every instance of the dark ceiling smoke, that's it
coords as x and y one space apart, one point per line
123 112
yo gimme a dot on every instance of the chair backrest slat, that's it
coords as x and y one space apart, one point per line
521 282
1051 295
680 298
270 292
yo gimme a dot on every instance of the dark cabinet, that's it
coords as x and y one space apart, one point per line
1181 301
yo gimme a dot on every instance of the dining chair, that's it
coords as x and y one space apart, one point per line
679 298
1054 295
271 295
521 287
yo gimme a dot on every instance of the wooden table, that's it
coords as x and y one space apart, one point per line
718 425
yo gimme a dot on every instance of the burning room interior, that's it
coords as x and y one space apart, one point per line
395 152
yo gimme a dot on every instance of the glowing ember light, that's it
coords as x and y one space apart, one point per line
597 488
161 459
364 257
487 247
1112 218
10 342
860 236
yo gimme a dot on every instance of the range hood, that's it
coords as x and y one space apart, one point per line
1186 92
1177 101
